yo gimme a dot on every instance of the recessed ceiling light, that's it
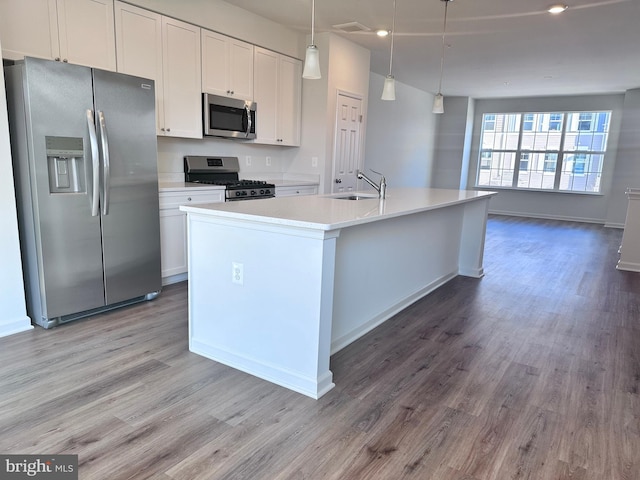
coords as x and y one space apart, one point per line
382 33
555 9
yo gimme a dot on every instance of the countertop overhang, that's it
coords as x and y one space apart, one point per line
328 212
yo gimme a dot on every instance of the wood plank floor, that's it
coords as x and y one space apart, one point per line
532 372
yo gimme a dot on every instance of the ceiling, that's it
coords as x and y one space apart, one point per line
494 48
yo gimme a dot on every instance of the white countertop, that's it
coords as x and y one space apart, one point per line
182 186
326 212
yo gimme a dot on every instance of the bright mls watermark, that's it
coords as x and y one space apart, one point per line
49 467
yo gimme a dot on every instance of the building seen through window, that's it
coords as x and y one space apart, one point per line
557 151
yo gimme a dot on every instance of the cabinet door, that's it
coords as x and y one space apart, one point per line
86 33
181 78
29 29
266 95
173 241
227 66
241 69
215 63
289 99
139 49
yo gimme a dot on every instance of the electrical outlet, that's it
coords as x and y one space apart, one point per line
237 273
314 161
248 160
268 161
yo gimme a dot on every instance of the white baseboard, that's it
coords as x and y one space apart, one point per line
546 216
15 325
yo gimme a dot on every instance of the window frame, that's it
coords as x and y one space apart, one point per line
531 123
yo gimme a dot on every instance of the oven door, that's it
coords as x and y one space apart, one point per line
228 117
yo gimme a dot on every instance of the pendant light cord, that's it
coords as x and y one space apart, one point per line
444 29
393 31
313 19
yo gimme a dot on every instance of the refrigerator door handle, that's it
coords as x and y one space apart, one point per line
106 165
95 162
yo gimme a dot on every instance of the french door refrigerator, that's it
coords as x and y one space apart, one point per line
85 166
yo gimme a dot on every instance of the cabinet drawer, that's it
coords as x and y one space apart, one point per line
175 199
296 190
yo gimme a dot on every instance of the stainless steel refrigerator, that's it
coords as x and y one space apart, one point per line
85 166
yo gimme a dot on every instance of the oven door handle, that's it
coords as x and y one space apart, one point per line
248 112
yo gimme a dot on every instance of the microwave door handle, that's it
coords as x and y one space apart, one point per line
95 164
248 111
106 165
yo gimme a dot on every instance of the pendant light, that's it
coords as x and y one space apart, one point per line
389 89
312 57
438 101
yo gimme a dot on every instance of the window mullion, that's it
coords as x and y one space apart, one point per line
516 165
560 161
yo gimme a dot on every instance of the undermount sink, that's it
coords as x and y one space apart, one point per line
357 197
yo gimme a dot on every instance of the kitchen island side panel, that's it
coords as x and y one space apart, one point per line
383 267
275 320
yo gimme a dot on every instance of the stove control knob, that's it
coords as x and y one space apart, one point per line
261 192
253 192
238 194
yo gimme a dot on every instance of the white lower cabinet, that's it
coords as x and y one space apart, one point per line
290 191
173 230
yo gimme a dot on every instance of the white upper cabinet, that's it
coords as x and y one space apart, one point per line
168 51
29 29
227 66
289 100
182 79
74 31
86 33
265 94
277 92
139 49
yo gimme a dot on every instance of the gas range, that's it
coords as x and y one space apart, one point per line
223 171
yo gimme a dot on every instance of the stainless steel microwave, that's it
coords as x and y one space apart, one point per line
228 117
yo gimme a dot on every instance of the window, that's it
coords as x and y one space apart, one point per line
557 151
489 122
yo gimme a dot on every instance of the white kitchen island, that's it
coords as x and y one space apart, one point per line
278 285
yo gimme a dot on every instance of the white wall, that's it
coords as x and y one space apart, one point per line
453 143
13 310
400 135
344 67
627 171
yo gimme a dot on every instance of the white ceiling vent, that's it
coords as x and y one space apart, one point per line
352 27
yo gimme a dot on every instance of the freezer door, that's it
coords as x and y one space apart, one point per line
125 109
64 249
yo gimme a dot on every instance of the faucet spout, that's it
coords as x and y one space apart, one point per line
380 188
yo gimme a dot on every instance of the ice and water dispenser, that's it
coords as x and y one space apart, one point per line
65 161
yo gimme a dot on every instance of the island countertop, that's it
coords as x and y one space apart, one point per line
329 212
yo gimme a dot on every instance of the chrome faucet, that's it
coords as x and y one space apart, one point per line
381 189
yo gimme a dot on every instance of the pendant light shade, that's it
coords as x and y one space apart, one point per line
438 101
389 89
312 57
438 104
312 63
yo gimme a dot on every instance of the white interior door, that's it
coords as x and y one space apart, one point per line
348 142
